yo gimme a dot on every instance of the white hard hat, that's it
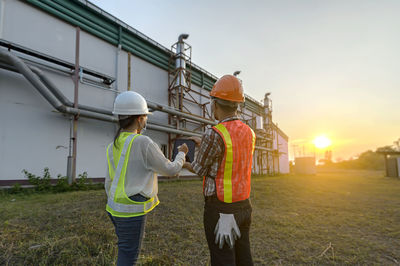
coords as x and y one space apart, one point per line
130 103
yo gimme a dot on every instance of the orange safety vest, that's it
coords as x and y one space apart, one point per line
233 179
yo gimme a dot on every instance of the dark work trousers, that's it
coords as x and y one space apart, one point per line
240 254
129 231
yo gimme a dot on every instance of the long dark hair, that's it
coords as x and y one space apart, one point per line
124 123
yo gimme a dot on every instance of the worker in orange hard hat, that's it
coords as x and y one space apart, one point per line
224 161
228 88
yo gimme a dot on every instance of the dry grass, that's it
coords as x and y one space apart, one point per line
342 217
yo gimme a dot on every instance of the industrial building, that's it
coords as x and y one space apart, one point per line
62 63
392 162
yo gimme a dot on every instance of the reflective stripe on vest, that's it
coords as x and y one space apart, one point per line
228 163
234 175
139 207
118 203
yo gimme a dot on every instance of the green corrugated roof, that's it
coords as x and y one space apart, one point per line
96 21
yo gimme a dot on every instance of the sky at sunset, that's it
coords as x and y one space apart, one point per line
332 67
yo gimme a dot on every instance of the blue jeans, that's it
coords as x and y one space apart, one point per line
130 234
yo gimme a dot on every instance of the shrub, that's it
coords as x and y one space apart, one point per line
16 188
39 183
62 184
82 182
43 184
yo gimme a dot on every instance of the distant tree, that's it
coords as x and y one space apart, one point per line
366 160
370 160
385 148
397 144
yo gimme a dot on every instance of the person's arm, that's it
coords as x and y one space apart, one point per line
209 152
156 161
188 166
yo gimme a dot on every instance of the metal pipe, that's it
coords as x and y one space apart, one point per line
8 67
49 66
182 37
60 96
262 148
129 71
69 158
17 65
49 84
180 67
116 67
53 60
58 70
22 68
65 101
180 63
30 76
172 130
173 111
72 178
152 105
93 84
38 83
88 111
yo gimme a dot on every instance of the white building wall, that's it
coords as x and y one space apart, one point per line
46 34
32 134
2 8
281 144
96 54
33 28
283 155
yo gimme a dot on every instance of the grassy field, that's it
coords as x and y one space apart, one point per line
336 217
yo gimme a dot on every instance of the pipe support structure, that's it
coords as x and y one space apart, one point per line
56 98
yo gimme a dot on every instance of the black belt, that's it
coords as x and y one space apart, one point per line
213 201
139 197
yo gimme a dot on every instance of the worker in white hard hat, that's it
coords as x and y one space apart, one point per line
224 161
131 180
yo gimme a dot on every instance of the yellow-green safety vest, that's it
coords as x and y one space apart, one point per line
118 203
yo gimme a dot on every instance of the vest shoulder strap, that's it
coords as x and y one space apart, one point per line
128 142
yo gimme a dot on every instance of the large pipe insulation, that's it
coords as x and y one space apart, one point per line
60 96
64 100
57 99
44 85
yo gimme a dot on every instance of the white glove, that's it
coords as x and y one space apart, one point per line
226 230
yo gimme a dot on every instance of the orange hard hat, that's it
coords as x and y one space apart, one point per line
228 88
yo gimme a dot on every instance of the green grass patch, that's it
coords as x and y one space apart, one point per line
333 218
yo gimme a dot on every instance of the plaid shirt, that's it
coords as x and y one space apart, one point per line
209 157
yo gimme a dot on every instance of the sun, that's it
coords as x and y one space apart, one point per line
322 142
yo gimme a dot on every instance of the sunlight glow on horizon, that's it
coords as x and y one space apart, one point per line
322 142
322 61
